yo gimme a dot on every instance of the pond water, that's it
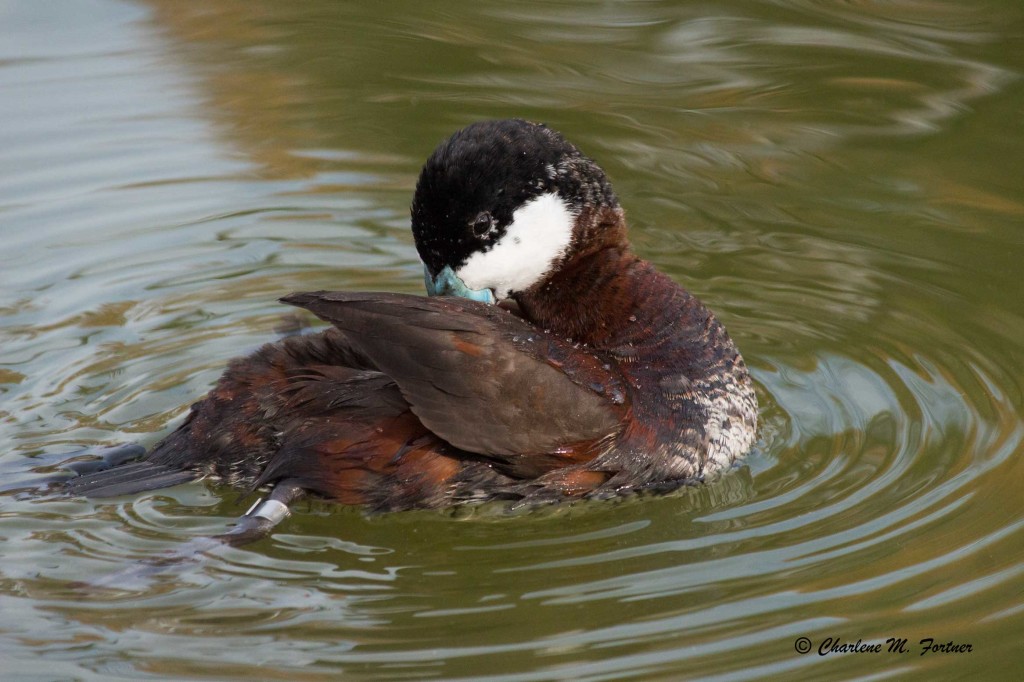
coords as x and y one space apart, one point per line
840 181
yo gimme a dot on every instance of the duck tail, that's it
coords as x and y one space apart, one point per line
119 472
128 479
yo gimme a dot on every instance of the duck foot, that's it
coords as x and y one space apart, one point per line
256 524
107 457
264 515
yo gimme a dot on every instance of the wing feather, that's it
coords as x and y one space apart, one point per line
476 375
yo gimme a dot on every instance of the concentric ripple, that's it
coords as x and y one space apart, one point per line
838 181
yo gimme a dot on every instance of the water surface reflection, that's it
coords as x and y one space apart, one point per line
840 181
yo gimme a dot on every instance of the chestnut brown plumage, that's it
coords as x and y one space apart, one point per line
599 376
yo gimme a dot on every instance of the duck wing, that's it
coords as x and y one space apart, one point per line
479 377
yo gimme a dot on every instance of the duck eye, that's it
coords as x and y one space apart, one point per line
482 223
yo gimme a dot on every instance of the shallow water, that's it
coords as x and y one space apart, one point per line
841 182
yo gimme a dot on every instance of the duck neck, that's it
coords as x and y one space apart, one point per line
595 300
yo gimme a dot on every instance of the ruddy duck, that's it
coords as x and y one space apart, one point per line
549 363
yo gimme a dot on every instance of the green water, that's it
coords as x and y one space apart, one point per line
843 182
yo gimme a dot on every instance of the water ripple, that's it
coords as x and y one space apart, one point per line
830 177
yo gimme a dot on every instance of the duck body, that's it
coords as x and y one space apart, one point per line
564 366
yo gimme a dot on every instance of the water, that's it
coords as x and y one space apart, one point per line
841 182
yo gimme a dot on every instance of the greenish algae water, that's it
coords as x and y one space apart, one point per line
843 182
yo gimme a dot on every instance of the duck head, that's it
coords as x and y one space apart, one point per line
502 206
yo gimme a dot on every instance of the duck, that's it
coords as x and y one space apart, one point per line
548 363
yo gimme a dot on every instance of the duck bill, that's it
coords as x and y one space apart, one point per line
447 283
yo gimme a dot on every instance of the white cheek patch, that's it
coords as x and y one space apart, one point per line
539 234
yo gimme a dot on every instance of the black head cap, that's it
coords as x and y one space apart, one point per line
475 180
